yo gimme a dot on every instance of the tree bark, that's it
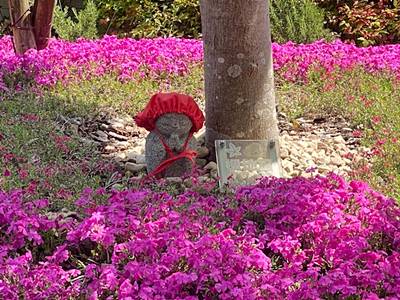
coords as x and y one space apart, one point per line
21 21
43 16
239 85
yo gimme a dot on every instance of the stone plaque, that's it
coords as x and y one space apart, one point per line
241 162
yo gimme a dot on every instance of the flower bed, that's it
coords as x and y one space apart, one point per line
279 239
129 58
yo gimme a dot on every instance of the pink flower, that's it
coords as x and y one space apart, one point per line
357 133
376 119
23 174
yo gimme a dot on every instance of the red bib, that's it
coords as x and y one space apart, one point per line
172 157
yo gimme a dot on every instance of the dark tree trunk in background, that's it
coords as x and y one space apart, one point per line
43 14
21 20
31 26
239 85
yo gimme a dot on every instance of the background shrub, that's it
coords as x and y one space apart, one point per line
296 20
5 26
365 22
70 24
299 21
150 18
302 21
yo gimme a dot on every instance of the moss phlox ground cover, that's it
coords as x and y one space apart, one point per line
128 58
279 239
320 238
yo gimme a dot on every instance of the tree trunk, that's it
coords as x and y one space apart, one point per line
239 85
21 21
43 14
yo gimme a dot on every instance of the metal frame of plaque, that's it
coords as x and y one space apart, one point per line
241 162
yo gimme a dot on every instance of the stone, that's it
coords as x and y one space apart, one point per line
211 166
284 152
282 115
101 134
134 168
305 174
303 144
295 173
140 143
346 161
174 130
324 168
118 136
322 160
321 145
127 119
288 166
121 156
339 140
76 121
122 145
117 126
296 159
202 152
109 148
214 173
104 126
337 161
135 157
130 129
116 120
141 131
313 138
309 163
100 139
345 169
307 156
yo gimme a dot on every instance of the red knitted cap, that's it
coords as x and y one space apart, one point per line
164 103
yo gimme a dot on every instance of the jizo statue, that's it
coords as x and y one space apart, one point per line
172 119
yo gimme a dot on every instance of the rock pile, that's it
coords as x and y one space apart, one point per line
320 144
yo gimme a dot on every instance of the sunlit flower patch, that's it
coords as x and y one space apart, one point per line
130 59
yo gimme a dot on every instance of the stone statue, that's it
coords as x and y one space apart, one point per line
170 146
173 129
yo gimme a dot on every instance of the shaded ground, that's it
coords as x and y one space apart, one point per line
70 137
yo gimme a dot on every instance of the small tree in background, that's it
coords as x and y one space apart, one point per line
83 23
31 25
299 21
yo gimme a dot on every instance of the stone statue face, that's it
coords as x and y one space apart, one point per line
173 124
